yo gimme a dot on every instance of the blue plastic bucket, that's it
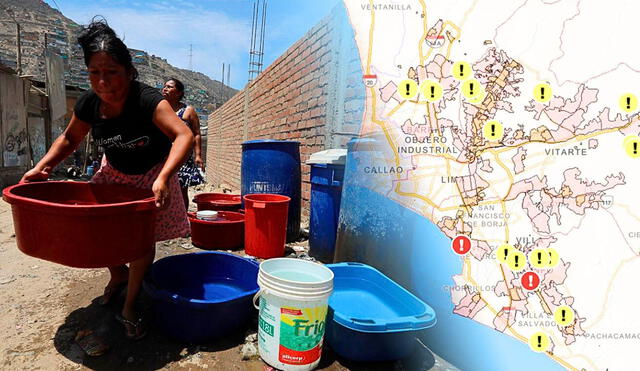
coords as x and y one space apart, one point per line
204 296
273 166
326 190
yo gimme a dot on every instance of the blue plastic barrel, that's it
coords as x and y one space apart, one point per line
326 190
273 166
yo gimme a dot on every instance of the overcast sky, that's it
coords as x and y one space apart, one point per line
219 30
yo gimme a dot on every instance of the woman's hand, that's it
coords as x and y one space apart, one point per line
160 190
36 174
199 163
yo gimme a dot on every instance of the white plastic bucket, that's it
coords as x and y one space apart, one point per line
207 215
293 297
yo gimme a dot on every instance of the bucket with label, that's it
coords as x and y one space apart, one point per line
294 297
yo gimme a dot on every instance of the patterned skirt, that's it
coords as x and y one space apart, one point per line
189 174
171 222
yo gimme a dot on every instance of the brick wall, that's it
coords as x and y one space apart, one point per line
312 94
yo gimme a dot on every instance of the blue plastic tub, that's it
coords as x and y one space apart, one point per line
326 188
372 318
202 296
273 166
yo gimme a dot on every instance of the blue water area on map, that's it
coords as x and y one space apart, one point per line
411 250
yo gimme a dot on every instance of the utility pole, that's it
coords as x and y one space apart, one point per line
19 50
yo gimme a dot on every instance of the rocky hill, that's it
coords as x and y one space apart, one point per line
40 22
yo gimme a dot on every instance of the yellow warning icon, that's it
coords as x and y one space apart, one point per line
554 258
503 251
632 146
539 342
542 93
564 315
461 70
628 102
492 130
471 89
539 258
516 261
431 90
408 89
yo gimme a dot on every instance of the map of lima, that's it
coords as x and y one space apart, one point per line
525 156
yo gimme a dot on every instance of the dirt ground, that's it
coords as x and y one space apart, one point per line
43 306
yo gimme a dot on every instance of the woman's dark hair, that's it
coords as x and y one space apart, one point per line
99 37
179 86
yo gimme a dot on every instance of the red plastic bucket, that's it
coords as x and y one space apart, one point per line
82 224
225 234
217 201
265 224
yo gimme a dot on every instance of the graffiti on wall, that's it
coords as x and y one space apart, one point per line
15 148
13 122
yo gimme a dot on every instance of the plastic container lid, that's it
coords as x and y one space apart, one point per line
207 215
329 157
269 141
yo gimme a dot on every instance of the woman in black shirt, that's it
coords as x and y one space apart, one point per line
145 144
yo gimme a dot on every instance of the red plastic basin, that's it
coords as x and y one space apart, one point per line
226 234
217 201
81 224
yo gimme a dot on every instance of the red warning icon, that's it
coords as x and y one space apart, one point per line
461 245
530 281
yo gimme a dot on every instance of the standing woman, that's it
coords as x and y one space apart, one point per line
188 175
145 144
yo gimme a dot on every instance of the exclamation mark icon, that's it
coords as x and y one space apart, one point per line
493 130
539 342
471 89
517 265
407 86
539 258
462 71
531 280
628 102
564 315
461 245
630 145
433 91
542 93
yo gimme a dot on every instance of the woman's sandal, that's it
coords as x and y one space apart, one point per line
92 343
133 330
112 291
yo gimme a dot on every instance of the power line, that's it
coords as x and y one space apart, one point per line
56 4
